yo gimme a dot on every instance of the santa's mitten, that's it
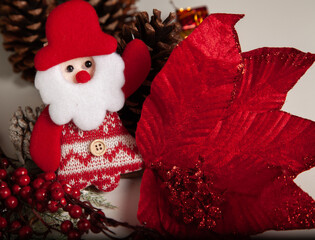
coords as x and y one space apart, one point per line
45 143
137 65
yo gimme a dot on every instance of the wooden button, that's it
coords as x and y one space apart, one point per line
97 147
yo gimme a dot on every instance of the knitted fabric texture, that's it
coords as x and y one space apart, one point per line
79 168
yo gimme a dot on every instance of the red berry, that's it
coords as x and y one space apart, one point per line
67 189
16 189
101 215
3 174
62 182
75 211
40 207
37 183
84 225
68 207
63 202
49 176
3 223
4 162
66 226
76 193
95 229
55 185
46 185
73 235
15 225
25 192
52 206
20 172
25 232
23 180
5 192
30 201
57 194
11 202
41 194
3 184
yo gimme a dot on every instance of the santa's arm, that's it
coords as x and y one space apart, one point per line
45 143
137 65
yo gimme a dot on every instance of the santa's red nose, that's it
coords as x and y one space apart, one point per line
82 77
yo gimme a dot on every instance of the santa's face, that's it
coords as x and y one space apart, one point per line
78 70
82 90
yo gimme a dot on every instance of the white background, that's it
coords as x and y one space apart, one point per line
273 23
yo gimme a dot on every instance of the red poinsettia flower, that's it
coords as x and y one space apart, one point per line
220 155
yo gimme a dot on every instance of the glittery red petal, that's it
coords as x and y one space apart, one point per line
247 142
148 210
191 93
269 73
281 205
247 153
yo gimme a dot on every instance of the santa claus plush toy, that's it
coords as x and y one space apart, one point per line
85 82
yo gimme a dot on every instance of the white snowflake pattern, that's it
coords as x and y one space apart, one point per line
80 133
72 182
112 179
104 177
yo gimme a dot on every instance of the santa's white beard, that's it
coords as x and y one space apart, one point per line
85 104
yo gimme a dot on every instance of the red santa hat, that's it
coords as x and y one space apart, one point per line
73 31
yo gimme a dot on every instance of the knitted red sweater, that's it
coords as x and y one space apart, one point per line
80 168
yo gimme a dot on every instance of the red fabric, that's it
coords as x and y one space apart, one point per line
45 143
137 65
79 168
212 101
73 31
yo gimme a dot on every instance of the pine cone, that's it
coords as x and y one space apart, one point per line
22 24
161 37
113 14
20 130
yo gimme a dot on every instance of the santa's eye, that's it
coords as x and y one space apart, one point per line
70 68
88 64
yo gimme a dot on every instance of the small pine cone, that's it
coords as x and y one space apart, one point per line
161 37
113 14
22 24
21 127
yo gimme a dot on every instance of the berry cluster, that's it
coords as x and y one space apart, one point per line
10 200
43 194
